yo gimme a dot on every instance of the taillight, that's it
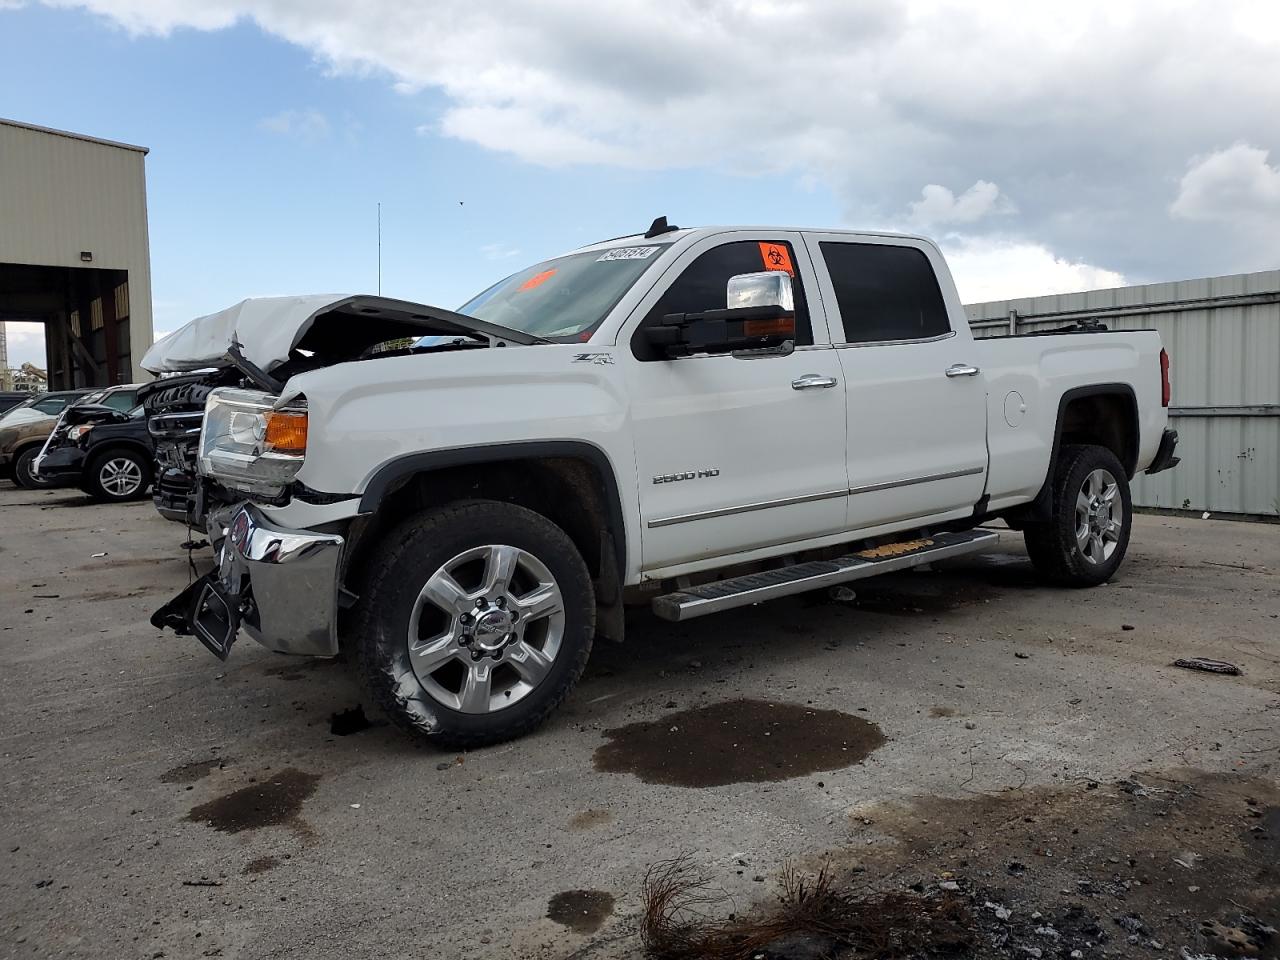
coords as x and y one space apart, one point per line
1165 389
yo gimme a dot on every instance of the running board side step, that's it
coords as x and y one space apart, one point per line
771 584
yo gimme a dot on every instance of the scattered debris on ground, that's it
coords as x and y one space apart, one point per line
1083 871
347 722
193 771
1208 665
811 919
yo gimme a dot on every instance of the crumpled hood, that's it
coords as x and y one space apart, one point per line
266 328
330 327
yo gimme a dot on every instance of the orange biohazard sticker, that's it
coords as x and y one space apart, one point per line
776 256
538 279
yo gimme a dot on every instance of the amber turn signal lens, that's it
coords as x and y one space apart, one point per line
286 432
781 327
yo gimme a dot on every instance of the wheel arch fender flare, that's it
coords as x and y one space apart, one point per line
395 472
1040 507
119 443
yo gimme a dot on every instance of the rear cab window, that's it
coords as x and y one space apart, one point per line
702 286
884 293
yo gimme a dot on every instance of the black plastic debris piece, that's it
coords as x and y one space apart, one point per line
347 722
1209 666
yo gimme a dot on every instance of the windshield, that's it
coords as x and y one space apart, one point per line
566 298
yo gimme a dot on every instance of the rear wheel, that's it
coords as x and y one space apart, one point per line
117 475
474 622
22 474
1086 539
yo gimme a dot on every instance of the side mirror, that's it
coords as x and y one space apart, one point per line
770 288
760 318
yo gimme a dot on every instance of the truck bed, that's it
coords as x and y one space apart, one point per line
1032 377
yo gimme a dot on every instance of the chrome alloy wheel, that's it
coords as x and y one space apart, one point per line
1100 516
120 476
486 628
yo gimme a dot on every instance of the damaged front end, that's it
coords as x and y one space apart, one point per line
228 447
281 586
61 459
175 409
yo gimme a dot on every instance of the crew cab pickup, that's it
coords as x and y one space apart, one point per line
462 501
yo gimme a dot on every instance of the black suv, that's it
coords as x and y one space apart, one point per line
101 444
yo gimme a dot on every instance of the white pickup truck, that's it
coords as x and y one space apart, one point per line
693 418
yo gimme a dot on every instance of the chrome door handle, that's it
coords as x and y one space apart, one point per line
962 370
811 380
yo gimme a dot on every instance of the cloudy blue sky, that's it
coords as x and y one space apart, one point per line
1049 147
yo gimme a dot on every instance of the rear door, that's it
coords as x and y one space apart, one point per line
735 454
916 409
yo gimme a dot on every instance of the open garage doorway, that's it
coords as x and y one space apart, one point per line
85 315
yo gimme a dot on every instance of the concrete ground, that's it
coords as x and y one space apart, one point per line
155 802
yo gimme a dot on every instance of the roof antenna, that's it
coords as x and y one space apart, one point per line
659 227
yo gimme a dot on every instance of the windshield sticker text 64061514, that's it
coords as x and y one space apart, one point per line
628 253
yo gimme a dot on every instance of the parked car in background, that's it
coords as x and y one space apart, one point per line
102 445
23 431
11 398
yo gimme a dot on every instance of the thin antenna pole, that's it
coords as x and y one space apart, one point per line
379 248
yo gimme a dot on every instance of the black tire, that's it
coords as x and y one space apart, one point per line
408 557
1054 546
102 485
22 474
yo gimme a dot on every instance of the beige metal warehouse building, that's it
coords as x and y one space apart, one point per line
74 253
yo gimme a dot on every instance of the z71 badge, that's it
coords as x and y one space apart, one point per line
690 475
593 358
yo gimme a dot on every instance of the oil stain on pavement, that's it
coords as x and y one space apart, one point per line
738 741
273 802
582 911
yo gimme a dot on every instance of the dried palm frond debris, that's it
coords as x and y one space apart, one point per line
685 919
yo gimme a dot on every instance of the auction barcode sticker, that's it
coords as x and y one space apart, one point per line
628 253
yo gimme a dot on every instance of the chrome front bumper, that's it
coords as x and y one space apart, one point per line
280 586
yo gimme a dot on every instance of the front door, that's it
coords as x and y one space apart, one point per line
735 454
916 406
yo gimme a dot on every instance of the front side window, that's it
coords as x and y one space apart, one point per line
885 292
51 406
567 298
702 286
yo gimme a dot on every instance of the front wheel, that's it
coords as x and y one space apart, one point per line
475 621
1086 539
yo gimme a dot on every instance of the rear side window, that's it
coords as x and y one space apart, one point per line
702 285
885 292
50 406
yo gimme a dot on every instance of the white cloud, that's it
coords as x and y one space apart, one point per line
1235 184
498 251
25 343
1003 269
309 124
938 205
1082 111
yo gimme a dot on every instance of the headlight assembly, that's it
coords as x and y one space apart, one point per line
247 444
